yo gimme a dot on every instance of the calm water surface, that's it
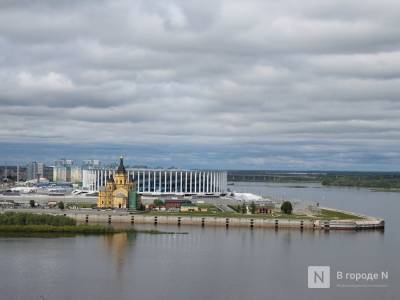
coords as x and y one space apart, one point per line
211 263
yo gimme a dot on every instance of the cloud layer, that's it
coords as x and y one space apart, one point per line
233 84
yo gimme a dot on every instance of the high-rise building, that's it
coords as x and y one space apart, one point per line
60 174
34 170
48 172
76 174
13 172
63 162
65 171
91 163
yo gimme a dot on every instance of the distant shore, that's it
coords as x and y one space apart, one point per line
382 181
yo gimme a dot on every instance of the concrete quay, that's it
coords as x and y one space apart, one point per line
110 217
233 222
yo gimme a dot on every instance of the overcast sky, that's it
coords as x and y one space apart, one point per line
207 84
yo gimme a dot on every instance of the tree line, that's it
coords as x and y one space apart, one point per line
367 181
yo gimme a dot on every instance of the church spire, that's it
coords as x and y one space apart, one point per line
121 168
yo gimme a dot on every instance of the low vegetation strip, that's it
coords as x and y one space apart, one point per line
77 229
14 218
13 222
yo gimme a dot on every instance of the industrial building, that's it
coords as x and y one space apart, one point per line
34 170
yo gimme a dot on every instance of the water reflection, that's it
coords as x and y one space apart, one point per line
117 246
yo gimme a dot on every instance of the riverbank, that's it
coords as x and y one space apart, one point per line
76 229
374 180
123 217
82 229
38 223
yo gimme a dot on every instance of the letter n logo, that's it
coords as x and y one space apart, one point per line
319 277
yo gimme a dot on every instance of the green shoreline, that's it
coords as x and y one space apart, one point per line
77 229
29 223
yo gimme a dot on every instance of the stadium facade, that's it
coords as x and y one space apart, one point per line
163 181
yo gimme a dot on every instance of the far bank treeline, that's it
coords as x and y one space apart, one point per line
367 181
378 180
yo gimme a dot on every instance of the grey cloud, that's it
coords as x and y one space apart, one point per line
258 83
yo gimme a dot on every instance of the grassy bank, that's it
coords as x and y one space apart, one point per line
29 223
20 218
77 229
328 214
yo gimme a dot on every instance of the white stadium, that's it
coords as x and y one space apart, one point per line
163 181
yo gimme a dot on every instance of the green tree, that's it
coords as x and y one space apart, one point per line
253 207
244 208
158 202
32 203
61 205
287 207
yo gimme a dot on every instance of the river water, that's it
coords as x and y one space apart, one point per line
214 263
